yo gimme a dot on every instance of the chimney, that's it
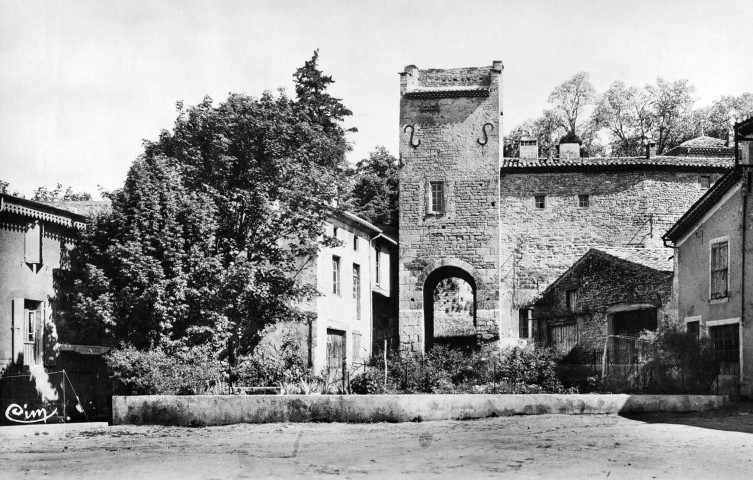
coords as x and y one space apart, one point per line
529 148
569 151
650 149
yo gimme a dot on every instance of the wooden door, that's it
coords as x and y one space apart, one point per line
335 353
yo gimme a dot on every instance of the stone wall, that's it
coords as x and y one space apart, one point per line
450 135
538 245
205 410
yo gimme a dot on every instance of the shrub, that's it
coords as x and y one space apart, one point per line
191 371
462 370
272 364
681 362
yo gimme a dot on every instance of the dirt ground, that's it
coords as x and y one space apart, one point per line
702 445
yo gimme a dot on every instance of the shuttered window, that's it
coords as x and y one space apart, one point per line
719 270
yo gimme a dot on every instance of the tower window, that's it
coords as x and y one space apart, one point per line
540 201
437 197
583 201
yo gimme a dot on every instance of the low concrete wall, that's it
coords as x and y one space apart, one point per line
225 409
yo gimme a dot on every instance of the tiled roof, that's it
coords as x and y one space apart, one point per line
703 205
618 163
704 142
656 258
88 208
745 127
41 211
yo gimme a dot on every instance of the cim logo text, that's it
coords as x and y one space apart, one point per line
18 414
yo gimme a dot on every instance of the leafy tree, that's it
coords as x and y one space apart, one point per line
718 119
569 100
215 219
43 194
375 189
671 105
625 113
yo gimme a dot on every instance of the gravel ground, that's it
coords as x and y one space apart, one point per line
701 445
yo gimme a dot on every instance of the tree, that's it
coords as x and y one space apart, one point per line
625 113
211 227
569 100
671 108
718 119
43 194
375 189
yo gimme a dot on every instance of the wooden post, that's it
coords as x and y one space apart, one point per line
385 364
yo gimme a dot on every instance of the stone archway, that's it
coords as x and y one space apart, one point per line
430 277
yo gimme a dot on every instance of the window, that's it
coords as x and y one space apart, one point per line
356 280
437 197
30 326
33 243
523 323
571 299
357 289
694 328
336 275
335 230
583 201
705 181
726 339
377 268
355 243
719 269
540 201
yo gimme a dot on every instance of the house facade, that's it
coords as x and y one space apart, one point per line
713 244
509 227
37 265
355 308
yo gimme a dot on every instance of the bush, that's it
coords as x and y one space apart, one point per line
462 370
193 371
681 362
273 365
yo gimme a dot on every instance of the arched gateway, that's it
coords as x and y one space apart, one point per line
450 122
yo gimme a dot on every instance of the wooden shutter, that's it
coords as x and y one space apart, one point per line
47 337
33 243
385 271
18 328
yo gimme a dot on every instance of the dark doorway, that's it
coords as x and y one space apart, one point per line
449 308
631 323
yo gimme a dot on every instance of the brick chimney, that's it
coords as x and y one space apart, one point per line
529 148
650 149
569 151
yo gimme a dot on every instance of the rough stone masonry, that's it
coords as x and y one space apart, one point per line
467 213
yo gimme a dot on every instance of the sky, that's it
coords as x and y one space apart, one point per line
83 82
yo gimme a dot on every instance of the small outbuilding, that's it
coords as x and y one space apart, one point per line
607 292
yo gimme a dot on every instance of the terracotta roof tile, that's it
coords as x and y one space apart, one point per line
618 163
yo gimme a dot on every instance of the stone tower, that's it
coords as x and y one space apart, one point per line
450 126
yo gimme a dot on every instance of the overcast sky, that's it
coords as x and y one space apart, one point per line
83 82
